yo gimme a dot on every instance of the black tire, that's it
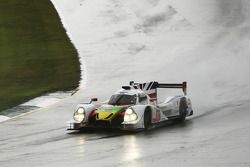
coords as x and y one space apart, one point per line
182 110
147 118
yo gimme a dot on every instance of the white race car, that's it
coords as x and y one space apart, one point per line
132 108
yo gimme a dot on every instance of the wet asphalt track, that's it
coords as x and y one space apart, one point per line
219 137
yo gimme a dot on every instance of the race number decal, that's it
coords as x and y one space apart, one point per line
158 116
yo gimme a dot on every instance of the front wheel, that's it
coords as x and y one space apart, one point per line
147 119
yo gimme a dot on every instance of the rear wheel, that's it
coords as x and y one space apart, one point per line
182 110
147 118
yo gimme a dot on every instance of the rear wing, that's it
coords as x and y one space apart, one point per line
150 88
182 86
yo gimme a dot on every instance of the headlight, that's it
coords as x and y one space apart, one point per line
79 115
130 115
129 111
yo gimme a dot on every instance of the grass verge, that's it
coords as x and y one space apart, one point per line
36 55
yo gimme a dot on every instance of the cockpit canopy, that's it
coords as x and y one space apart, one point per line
122 99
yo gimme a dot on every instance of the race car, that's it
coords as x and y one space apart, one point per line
134 107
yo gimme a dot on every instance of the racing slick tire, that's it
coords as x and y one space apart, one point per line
182 110
147 118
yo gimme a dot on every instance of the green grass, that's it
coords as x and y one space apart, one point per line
36 56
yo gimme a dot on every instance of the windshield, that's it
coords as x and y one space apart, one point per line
121 99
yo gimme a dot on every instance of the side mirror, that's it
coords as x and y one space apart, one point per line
93 99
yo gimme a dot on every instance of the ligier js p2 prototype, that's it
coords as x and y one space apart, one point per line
132 108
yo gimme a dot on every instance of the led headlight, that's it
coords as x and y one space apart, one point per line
130 115
129 111
79 115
